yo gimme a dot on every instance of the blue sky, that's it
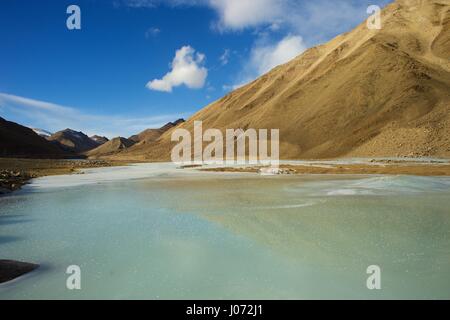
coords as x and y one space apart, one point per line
118 75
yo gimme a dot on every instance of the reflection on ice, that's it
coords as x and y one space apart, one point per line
375 185
155 231
109 174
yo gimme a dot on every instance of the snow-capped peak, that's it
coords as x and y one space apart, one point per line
42 133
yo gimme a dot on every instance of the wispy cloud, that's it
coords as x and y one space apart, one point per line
317 18
232 14
266 55
55 117
225 57
152 32
156 3
240 14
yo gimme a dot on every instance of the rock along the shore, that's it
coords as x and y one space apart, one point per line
10 270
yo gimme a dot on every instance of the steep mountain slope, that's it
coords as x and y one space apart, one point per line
20 141
365 93
150 135
73 141
111 147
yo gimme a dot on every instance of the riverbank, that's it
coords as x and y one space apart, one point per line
388 167
14 173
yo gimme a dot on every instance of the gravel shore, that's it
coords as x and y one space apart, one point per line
14 173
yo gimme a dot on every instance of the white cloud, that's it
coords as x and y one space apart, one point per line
187 69
233 14
152 32
313 19
239 14
265 56
55 117
225 57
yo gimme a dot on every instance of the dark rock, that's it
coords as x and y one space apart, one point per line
10 270
4 190
11 180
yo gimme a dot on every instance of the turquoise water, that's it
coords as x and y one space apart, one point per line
156 232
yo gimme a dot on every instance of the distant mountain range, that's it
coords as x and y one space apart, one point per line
150 135
19 141
117 145
74 141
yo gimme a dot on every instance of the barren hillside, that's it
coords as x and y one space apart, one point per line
365 93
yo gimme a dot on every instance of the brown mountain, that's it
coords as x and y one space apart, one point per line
150 135
365 93
20 141
120 144
111 147
100 140
73 141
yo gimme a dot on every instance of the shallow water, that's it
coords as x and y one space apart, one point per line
157 232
